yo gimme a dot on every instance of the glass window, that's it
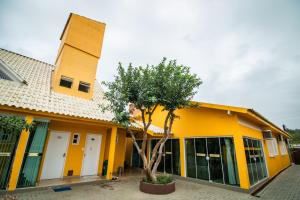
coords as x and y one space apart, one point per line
272 147
66 82
283 149
170 161
215 161
136 159
230 169
212 159
249 164
76 138
255 160
176 156
201 159
84 87
190 158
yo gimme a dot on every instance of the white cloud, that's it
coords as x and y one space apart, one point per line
246 52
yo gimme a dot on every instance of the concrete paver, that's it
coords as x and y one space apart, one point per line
128 189
285 186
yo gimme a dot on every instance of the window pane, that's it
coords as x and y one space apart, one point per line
84 87
176 156
229 161
256 163
253 160
262 160
202 163
66 82
190 158
168 156
215 163
249 165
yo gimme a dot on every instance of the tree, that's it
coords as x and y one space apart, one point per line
13 124
295 133
167 85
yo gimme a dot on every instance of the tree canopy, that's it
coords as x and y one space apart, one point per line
167 85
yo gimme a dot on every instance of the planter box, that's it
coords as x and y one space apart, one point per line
157 188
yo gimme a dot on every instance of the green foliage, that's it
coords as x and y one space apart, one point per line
167 84
161 179
13 124
295 133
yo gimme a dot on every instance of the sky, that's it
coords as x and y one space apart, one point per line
247 53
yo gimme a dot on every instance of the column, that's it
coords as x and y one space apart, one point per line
19 155
182 157
111 154
241 161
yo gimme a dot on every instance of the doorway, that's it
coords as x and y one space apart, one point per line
211 159
56 155
91 155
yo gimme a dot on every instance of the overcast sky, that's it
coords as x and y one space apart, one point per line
246 52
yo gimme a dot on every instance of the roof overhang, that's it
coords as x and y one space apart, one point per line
250 113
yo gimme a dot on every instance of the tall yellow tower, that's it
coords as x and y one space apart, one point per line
78 55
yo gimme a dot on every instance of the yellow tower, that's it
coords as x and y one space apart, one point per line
78 55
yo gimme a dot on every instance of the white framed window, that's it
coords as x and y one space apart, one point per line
282 146
272 147
76 139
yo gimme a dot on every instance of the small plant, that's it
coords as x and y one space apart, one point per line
161 179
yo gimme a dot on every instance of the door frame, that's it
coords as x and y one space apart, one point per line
208 163
83 155
46 150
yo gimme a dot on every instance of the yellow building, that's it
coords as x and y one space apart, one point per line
72 137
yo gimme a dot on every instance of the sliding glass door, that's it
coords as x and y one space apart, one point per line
201 159
136 160
255 160
212 159
215 161
190 158
170 161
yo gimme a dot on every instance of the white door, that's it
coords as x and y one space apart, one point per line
91 154
56 155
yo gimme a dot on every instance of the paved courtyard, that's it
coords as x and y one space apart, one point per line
284 187
127 189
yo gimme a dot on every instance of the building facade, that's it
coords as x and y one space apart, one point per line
72 137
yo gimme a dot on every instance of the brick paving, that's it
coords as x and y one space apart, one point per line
285 186
127 189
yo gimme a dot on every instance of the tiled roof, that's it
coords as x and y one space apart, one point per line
37 94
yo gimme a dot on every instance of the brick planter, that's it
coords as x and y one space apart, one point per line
157 188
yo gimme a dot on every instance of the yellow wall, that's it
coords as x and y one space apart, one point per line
200 122
274 164
277 163
78 54
77 65
75 152
120 150
207 122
